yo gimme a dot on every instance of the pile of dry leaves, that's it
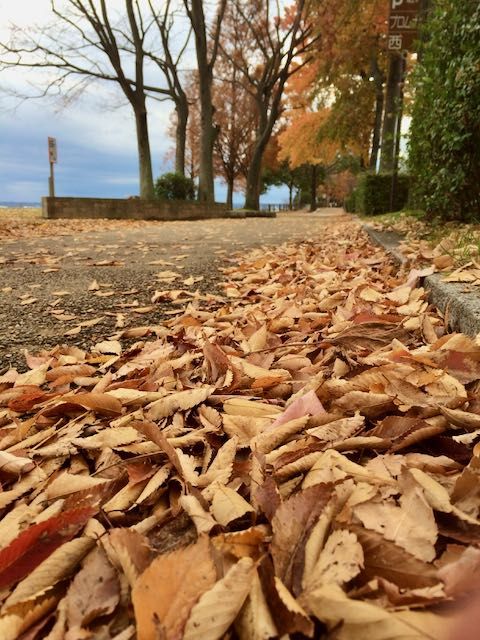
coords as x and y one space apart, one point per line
450 247
298 460
28 223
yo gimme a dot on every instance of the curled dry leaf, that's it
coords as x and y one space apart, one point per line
15 465
291 525
58 566
340 560
180 401
213 614
364 621
410 525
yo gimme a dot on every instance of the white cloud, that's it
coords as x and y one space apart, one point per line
96 137
121 180
95 134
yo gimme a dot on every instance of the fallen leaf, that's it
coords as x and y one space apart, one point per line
165 593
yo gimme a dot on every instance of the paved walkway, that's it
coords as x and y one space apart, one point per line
50 286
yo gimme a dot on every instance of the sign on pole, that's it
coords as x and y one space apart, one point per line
52 157
403 24
52 150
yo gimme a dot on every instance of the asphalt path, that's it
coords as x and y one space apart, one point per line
82 288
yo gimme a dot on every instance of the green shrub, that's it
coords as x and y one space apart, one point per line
350 202
444 147
174 186
372 195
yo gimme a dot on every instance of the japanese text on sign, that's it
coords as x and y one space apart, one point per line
52 150
403 24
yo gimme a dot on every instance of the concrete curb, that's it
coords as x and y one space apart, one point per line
261 214
462 308
235 214
249 213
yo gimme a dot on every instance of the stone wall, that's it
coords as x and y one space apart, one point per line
134 209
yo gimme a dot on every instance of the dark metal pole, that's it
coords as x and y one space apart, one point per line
398 136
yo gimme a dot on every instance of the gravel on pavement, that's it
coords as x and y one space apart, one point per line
79 287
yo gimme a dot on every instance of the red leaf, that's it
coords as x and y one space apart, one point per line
37 542
28 400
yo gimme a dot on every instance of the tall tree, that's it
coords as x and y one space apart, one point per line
169 63
235 111
206 47
351 64
278 39
89 42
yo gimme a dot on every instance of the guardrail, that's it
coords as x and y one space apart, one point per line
275 207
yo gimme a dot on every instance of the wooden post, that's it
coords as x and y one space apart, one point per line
52 158
51 182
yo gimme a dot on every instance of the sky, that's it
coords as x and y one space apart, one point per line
95 133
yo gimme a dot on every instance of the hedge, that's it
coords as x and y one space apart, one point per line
444 148
350 202
372 195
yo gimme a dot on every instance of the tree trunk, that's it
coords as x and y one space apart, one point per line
313 187
230 186
206 191
254 175
144 155
392 99
181 137
252 192
208 132
290 196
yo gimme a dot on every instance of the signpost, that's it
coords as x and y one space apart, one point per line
403 24
52 157
402 34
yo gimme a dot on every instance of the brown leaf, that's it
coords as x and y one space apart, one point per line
240 544
167 590
410 525
340 560
291 526
179 401
288 615
132 550
384 559
217 608
94 592
404 432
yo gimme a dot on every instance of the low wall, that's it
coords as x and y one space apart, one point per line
133 209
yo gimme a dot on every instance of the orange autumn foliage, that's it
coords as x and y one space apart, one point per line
303 141
332 92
